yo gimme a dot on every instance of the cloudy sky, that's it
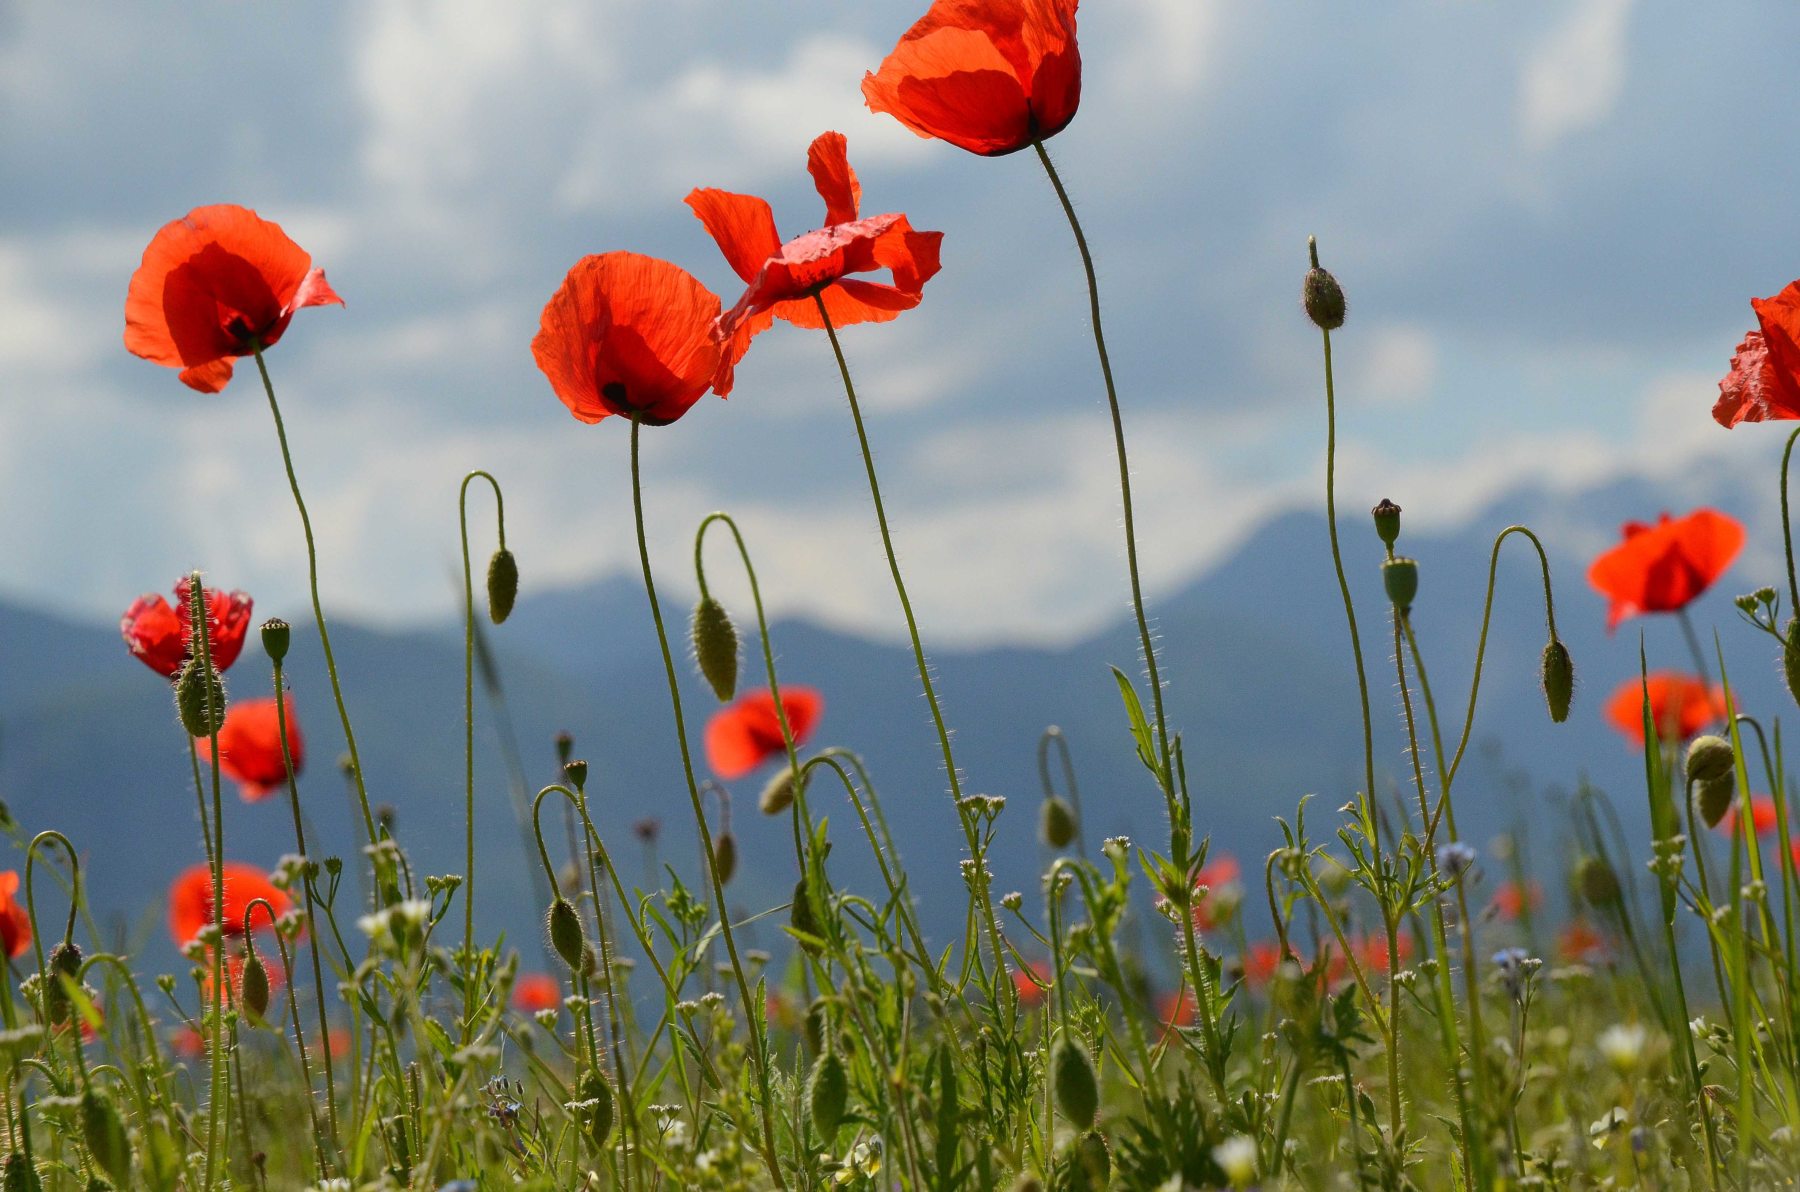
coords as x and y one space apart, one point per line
1549 217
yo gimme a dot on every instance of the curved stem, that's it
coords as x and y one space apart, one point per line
312 576
753 1013
1787 536
1487 612
287 974
1055 734
462 514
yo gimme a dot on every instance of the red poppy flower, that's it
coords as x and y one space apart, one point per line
784 278
989 76
536 991
1581 944
1177 1009
250 746
159 633
1661 568
1512 900
1764 382
746 733
191 902
1372 951
1220 877
213 285
1261 962
629 334
15 924
1680 706
1029 982
1762 815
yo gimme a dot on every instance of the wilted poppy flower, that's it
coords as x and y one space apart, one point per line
1680 706
1223 891
191 901
536 991
214 285
250 746
783 279
1513 900
990 77
1764 382
1661 568
15 924
158 633
746 733
628 334
1762 815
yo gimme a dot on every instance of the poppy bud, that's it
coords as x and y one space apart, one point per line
813 1025
255 991
1790 657
725 856
1387 521
104 1132
564 925
827 1095
1709 758
599 1096
65 961
1090 1162
565 748
804 920
577 773
1321 295
1712 799
21 1176
1401 579
502 585
1057 822
1559 679
200 698
275 634
1072 1077
716 647
778 795
1599 884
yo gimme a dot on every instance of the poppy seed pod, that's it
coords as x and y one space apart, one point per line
564 926
577 773
1321 295
200 698
1712 799
1400 576
502 585
1599 883
565 748
599 1098
1057 822
715 642
827 1095
255 990
1387 521
1072 1078
103 1130
778 794
725 856
1558 679
275 636
1709 758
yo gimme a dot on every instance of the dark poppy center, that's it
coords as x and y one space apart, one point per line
614 393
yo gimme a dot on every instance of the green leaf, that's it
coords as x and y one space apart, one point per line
1140 726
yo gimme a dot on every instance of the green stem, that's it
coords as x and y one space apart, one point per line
1787 536
753 1013
462 514
1487 612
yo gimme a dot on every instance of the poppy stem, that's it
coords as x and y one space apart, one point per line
1487 612
1787 537
215 715
1112 400
312 575
462 513
753 1013
1002 978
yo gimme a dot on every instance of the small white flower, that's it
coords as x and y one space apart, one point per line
1622 1044
1236 1157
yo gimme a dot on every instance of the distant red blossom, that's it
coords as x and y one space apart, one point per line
1662 568
191 900
15 922
1219 876
1681 705
1579 943
989 76
215 285
1763 817
536 991
1514 900
159 634
250 746
746 733
1764 382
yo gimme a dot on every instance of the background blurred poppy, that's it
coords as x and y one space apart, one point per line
1661 568
191 901
1680 706
746 733
250 746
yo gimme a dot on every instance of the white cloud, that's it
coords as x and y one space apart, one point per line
1399 365
1573 79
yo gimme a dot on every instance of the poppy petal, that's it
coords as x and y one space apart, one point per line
828 161
315 291
741 225
211 377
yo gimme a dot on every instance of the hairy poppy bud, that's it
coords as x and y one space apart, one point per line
1559 679
255 990
65 961
577 773
1712 799
21 1176
1790 657
565 748
103 1130
1090 1162
813 1025
200 698
564 925
778 795
1072 1078
725 856
716 647
1400 577
827 1095
275 635
1057 822
1387 521
1321 295
804 920
1599 884
502 585
1709 758
598 1096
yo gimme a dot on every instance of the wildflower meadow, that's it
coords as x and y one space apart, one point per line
1343 1008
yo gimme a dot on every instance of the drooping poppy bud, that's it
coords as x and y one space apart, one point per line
1321 294
502 585
1558 679
1072 1079
1599 882
1790 657
1387 521
200 698
778 794
1400 576
65 961
1090 1163
1712 799
275 636
827 1095
255 985
805 920
725 856
1709 758
813 1025
1057 822
564 926
715 643
103 1130
597 1098
21 1176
